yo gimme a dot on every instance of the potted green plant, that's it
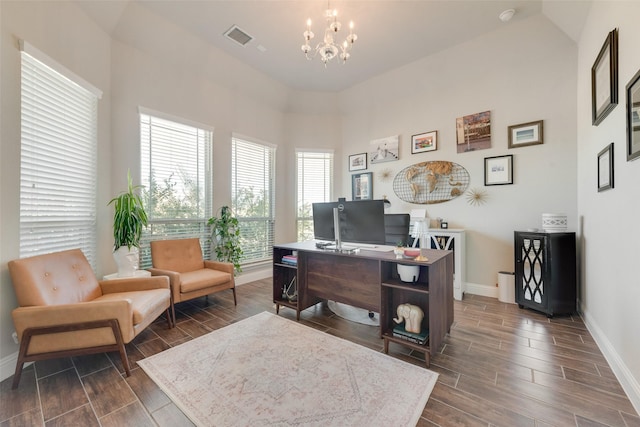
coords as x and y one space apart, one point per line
128 220
225 235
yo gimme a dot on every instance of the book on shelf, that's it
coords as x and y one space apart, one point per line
290 259
421 338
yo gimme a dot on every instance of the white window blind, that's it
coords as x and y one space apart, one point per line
57 162
252 192
314 184
176 174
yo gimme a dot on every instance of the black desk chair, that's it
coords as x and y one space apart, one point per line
396 229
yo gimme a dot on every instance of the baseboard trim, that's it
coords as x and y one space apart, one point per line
482 290
258 274
8 366
629 384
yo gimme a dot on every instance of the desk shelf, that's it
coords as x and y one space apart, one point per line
395 292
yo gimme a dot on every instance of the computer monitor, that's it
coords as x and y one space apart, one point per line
360 221
323 228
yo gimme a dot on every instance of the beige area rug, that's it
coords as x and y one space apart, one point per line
354 314
267 370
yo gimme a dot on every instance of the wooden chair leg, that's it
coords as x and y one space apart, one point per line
115 326
235 301
169 318
24 345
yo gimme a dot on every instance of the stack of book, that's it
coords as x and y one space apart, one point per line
421 338
290 260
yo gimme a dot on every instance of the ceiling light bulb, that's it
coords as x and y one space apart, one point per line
506 15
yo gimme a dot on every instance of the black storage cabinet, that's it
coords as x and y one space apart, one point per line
546 271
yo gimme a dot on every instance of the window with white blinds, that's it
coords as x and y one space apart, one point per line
314 184
58 156
252 192
176 174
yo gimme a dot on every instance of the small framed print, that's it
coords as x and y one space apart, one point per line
525 134
604 79
498 170
424 142
357 162
605 168
362 186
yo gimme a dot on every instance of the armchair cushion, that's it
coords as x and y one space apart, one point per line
200 279
59 278
143 304
179 255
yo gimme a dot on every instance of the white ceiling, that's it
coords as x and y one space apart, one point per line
390 33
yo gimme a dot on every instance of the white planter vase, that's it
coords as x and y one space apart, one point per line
127 261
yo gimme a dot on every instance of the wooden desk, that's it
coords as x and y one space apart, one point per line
369 280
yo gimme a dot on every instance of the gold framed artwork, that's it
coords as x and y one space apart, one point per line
424 142
525 134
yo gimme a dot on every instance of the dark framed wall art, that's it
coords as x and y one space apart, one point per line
633 117
605 168
604 79
357 162
362 186
498 170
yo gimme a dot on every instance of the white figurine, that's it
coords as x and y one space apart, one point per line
412 316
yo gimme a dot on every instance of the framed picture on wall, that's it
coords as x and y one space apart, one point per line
362 186
525 134
498 170
473 132
604 79
357 162
633 117
605 168
423 142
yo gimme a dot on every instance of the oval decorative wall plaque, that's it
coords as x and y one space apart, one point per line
431 182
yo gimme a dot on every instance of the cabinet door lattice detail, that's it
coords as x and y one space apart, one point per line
532 277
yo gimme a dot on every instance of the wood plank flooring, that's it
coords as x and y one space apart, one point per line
500 366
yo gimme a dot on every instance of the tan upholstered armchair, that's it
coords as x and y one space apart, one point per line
65 311
189 274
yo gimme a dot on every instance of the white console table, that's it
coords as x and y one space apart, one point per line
454 240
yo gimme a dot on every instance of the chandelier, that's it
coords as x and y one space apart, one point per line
327 48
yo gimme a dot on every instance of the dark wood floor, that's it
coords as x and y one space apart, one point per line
500 366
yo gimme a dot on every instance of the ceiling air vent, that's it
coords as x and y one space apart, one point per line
237 35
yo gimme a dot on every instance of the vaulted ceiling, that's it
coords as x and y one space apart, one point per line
390 33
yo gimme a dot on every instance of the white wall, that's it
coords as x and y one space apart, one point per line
610 242
523 72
